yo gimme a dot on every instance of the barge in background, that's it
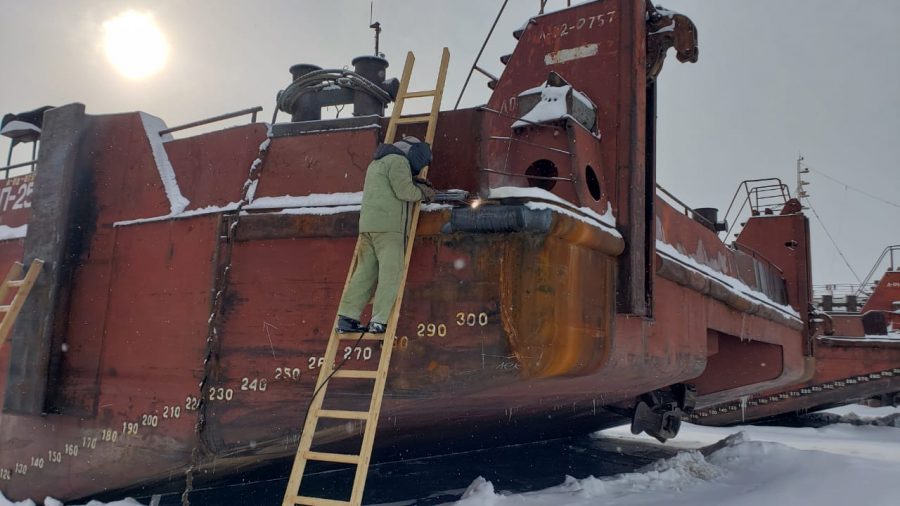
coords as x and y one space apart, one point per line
856 345
190 285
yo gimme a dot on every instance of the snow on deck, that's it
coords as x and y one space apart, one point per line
606 221
552 106
313 200
7 232
19 126
152 126
890 337
321 204
734 285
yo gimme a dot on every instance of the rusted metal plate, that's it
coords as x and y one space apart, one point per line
209 175
330 162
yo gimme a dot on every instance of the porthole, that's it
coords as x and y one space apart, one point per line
593 183
541 173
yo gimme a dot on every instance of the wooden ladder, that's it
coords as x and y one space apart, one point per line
379 376
14 279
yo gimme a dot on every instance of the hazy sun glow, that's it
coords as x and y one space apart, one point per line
134 44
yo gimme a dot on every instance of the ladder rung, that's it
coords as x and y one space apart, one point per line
355 373
413 119
317 501
341 458
16 282
5 308
417 94
344 414
355 335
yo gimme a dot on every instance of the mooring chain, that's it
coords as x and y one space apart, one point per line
226 239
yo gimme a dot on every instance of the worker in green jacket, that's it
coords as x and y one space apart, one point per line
388 194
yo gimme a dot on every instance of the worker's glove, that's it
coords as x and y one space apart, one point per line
427 192
422 180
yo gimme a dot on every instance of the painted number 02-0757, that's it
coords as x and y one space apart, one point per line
586 23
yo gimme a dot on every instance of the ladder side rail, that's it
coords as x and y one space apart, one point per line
15 306
368 441
15 273
401 98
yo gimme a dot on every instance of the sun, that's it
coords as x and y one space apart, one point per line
134 44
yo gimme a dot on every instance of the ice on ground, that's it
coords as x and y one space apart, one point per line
49 501
743 472
872 442
864 412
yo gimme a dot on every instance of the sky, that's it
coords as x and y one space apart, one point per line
775 79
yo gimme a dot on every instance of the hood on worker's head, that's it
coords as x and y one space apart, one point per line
387 149
417 152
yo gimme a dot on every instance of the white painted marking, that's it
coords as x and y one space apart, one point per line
575 53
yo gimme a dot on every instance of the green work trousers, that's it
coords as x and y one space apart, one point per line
379 267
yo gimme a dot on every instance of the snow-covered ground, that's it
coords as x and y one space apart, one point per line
835 465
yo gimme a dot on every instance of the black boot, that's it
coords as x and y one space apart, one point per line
376 328
348 325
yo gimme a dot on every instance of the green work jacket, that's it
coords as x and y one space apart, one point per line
387 192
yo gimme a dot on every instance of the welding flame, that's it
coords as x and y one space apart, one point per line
475 203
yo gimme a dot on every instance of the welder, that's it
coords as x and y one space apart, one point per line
392 186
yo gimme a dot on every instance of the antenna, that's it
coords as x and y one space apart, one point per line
375 26
801 192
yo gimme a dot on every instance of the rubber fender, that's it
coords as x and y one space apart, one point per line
499 219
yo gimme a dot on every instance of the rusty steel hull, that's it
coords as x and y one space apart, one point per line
183 336
504 336
463 363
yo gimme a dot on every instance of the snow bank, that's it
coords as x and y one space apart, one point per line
742 473
872 442
49 501
864 412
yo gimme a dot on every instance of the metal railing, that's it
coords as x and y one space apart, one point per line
762 195
686 209
888 253
5 170
243 112
855 295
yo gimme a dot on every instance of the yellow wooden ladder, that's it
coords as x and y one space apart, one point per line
14 279
379 376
